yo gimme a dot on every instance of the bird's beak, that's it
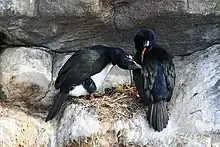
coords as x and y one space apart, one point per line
138 65
142 55
133 66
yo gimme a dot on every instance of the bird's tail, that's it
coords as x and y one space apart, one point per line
158 116
58 102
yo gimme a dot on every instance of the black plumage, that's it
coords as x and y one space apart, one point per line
155 82
82 65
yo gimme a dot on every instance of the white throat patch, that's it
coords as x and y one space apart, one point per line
148 43
97 78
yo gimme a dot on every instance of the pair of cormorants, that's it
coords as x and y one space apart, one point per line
155 80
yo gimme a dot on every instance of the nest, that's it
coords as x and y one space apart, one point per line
119 103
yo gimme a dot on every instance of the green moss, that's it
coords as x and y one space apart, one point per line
119 88
2 93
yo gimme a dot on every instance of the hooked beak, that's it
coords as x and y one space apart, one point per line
142 55
138 65
134 66
146 44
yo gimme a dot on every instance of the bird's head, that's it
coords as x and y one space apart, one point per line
144 41
125 61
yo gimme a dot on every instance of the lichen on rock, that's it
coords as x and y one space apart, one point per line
2 93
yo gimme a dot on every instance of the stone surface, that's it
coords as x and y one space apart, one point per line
182 26
17 7
116 76
77 122
20 129
25 74
58 61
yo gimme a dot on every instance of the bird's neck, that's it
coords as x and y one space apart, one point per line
111 54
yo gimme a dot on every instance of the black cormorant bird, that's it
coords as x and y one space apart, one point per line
155 82
85 71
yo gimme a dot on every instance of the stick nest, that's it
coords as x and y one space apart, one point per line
121 102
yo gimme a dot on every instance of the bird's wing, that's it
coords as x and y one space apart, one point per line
72 61
79 67
144 80
149 73
169 72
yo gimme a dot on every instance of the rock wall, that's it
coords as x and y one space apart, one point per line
30 30
182 26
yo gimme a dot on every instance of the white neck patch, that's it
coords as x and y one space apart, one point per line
97 78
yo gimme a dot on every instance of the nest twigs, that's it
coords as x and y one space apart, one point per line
121 102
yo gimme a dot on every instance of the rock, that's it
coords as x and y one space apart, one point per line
20 129
25 74
78 8
182 26
116 76
59 61
77 122
18 8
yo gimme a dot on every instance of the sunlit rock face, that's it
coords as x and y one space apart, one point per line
30 30
20 129
25 74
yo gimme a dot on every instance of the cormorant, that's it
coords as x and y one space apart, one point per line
85 71
156 80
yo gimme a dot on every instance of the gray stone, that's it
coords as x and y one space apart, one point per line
77 122
25 74
20 129
58 61
116 76
182 26
18 7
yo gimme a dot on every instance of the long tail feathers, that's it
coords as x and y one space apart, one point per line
158 116
58 102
